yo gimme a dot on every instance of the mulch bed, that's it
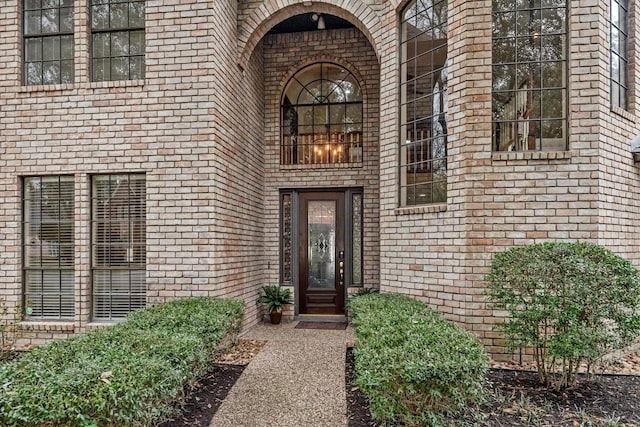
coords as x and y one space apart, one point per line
358 414
517 399
206 396
6 355
204 399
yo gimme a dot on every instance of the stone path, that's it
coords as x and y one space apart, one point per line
297 379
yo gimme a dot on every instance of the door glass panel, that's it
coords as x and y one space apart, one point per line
287 251
356 244
321 244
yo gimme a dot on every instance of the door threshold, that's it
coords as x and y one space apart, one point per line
337 318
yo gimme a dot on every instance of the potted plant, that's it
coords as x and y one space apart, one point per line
274 299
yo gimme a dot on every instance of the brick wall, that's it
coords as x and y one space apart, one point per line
204 127
498 200
619 196
257 17
237 106
194 126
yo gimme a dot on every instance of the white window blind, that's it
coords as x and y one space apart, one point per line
118 245
48 247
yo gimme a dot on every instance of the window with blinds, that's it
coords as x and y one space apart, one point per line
118 245
48 247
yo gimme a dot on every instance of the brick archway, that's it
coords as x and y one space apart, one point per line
254 23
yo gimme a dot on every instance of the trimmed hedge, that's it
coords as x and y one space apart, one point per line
123 375
414 366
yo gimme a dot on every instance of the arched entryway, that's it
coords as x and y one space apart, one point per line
255 22
321 156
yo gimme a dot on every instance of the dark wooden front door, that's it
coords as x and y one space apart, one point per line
321 252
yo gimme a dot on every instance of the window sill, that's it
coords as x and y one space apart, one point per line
87 85
412 210
47 88
531 155
623 113
114 83
45 326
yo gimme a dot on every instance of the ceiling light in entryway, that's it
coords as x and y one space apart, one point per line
316 17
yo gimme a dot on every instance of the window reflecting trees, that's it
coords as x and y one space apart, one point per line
48 247
529 100
423 110
118 40
48 41
620 53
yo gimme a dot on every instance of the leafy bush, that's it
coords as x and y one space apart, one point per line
124 375
366 291
414 366
571 302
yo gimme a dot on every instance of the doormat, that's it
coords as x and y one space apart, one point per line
336 326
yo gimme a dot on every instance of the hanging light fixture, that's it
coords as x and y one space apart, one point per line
316 17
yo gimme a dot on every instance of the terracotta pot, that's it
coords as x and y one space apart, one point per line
276 316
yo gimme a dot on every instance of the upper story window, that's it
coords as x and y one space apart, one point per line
117 40
620 53
321 113
529 97
423 108
48 41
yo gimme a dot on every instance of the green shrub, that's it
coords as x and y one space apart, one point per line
414 366
125 375
571 302
365 291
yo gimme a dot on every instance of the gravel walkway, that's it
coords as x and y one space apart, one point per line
297 379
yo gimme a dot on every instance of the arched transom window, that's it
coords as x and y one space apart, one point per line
321 116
